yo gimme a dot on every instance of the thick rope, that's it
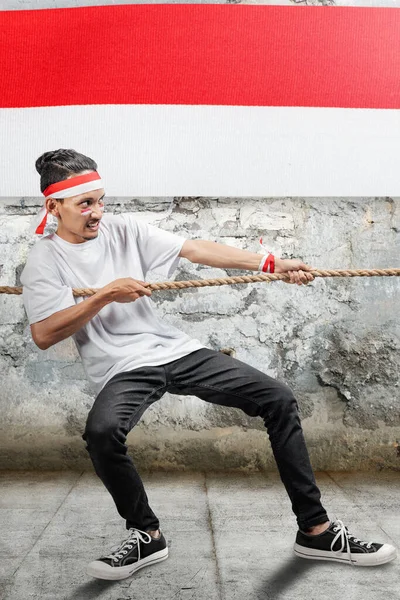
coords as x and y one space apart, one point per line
179 285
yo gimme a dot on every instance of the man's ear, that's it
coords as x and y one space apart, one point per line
52 207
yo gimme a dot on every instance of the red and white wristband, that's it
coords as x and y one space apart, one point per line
267 263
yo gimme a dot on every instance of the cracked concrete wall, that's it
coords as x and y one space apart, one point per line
336 342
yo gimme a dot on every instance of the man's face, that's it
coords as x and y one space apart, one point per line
79 216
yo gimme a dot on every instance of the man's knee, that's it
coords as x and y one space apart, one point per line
103 435
284 401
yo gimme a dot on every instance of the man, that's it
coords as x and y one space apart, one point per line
133 357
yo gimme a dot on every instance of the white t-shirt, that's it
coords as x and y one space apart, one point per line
122 336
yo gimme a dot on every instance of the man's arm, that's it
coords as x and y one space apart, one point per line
65 323
213 254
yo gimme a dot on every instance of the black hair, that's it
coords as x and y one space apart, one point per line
58 165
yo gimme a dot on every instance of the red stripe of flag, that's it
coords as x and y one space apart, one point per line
201 54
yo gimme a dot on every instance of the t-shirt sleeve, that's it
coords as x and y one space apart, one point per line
43 291
158 249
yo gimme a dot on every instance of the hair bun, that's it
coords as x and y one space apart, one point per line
47 158
58 165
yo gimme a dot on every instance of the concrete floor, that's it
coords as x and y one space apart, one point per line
230 536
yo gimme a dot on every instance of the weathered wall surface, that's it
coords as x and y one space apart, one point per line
335 342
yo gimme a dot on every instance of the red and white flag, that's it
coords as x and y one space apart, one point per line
205 100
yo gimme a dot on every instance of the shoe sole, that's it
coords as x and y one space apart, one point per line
101 570
362 560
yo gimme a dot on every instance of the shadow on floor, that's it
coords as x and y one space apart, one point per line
92 589
284 578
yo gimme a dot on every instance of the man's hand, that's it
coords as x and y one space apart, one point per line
295 268
126 289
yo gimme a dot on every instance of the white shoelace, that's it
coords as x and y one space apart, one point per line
134 536
345 536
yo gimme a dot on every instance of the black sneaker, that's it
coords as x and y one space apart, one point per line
138 550
336 543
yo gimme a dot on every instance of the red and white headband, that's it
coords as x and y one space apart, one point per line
66 189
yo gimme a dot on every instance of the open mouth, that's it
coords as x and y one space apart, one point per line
93 226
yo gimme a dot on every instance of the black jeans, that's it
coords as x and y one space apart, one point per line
216 378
